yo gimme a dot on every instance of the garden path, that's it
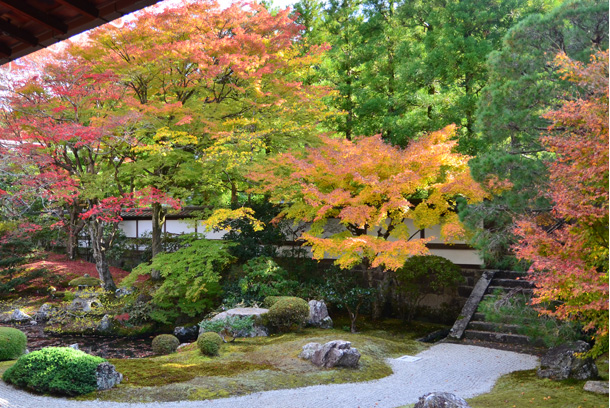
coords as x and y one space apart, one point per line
460 369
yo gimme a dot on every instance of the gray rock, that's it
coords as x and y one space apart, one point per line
336 353
42 315
84 304
441 400
19 316
309 349
105 325
186 334
121 292
318 315
107 376
74 346
598 387
562 362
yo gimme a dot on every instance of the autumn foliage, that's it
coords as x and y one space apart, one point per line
569 251
372 188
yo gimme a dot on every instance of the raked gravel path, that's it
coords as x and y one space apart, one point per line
459 369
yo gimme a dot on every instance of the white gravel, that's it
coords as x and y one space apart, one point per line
459 369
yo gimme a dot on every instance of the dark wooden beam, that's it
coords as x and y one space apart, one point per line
5 50
34 14
82 7
18 33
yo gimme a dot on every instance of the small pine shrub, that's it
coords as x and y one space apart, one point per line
230 327
56 370
85 281
286 314
165 344
209 343
12 343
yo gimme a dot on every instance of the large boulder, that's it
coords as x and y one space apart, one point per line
105 325
309 350
566 361
336 353
242 312
43 314
20 317
318 315
441 400
85 304
186 333
107 376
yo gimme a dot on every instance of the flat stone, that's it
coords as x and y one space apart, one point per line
457 331
598 387
441 400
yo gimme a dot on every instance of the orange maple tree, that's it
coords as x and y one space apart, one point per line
372 189
569 249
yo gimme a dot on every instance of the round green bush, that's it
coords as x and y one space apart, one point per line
12 343
165 344
56 370
287 313
85 281
209 343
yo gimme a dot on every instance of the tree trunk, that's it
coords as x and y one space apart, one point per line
158 219
75 226
98 246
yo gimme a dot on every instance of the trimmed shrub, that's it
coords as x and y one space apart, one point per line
426 274
85 281
287 313
12 343
209 343
165 344
56 370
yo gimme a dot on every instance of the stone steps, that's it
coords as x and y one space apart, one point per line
480 330
505 338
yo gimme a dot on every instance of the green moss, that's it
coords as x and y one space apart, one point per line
85 281
525 389
250 365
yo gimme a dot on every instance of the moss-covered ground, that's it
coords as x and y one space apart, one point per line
523 389
260 364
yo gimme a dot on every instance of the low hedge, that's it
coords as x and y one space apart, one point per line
12 343
286 313
56 370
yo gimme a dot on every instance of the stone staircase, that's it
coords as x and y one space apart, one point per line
472 327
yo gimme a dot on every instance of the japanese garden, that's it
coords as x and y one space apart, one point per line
314 203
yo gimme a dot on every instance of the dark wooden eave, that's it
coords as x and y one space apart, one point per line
29 25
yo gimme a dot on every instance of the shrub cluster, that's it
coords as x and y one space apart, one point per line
56 370
209 343
286 313
230 327
12 343
165 344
